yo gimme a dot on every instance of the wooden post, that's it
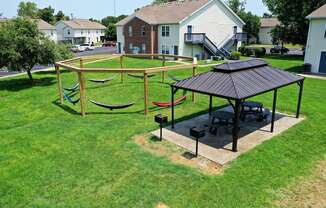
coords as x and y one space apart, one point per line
146 93
57 69
81 63
193 93
82 93
121 67
163 73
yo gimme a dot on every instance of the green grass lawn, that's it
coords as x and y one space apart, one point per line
51 157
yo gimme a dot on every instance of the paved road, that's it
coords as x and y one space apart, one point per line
100 50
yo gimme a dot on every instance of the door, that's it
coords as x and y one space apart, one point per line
235 30
176 50
119 47
189 32
322 64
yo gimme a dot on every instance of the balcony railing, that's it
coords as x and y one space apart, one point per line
194 38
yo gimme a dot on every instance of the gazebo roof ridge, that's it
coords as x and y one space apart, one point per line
240 65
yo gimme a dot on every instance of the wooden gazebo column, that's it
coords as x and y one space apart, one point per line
236 127
299 98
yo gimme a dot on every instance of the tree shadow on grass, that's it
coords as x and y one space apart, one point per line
66 108
24 83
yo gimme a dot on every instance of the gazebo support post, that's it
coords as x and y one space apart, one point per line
274 110
57 69
173 91
300 98
193 75
210 104
236 127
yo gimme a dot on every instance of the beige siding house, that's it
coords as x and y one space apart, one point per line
267 25
78 31
316 43
47 29
200 28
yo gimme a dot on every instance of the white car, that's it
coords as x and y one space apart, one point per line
82 47
86 47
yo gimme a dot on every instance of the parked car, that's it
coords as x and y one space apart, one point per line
77 48
109 44
87 47
279 49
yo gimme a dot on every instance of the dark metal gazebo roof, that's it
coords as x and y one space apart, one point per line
239 80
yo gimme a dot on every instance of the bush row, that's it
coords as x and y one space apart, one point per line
250 51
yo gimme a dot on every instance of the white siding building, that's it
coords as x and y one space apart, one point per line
47 29
316 43
80 31
190 27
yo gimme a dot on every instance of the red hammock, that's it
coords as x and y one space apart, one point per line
169 104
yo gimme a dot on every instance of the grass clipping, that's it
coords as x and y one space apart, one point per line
178 155
309 193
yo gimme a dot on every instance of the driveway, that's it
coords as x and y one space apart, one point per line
99 50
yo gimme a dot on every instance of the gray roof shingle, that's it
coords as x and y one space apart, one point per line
239 80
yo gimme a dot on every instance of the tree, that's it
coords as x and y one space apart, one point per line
27 9
267 15
252 22
109 22
252 25
61 16
237 5
23 46
292 15
47 14
279 35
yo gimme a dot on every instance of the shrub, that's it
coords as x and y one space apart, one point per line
242 50
259 52
235 55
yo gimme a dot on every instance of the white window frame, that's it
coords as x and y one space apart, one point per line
165 49
130 31
165 31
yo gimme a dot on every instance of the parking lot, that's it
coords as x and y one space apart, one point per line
98 50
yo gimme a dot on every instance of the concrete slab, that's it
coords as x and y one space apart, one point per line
218 147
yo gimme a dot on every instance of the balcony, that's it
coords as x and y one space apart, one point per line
195 38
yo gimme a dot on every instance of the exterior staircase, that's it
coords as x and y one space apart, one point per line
223 51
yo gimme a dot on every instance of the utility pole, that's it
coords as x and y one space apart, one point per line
115 8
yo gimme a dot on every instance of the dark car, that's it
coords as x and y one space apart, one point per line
279 49
109 44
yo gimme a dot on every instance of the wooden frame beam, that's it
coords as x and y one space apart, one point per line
57 69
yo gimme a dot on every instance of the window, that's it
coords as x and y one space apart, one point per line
165 49
89 32
131 46
325 33
68 32
81 32
51 32
142 31
143 47
165 31
130 31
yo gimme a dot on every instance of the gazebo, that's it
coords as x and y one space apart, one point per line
237 82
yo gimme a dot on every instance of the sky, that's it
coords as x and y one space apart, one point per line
100 8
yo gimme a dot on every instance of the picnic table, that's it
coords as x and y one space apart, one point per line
251 108
221 118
